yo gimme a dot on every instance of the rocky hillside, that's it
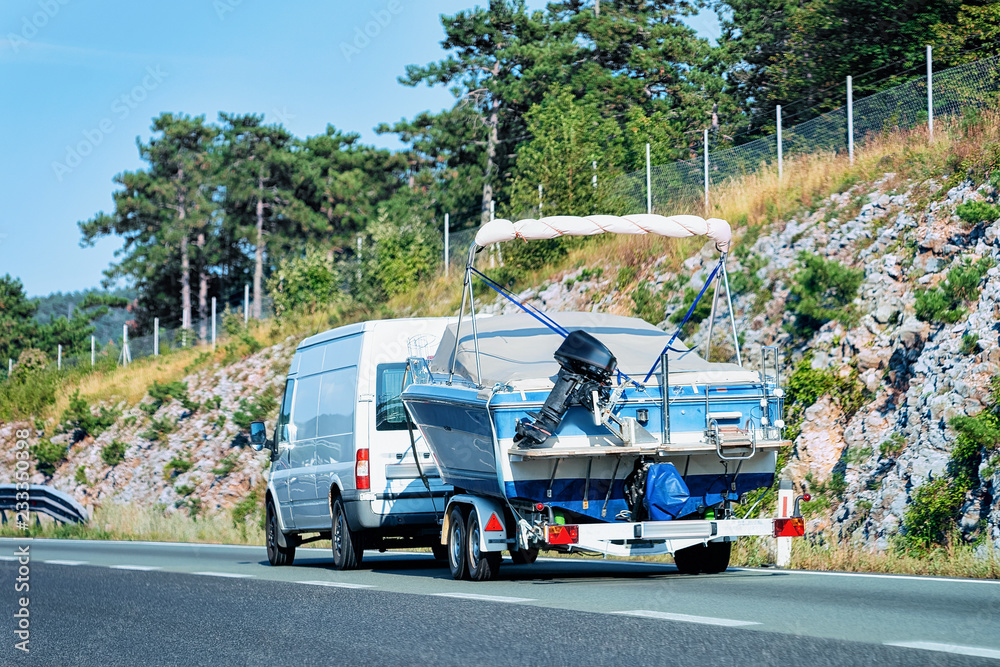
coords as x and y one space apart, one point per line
879 384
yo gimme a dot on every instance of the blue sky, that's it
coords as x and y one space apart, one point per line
82 80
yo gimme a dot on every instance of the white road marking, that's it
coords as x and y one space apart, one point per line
65 562
140 568
336 584
8 557
231 575
950 648
871 575
687 618
486 598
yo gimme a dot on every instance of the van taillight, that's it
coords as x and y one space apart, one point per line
361 480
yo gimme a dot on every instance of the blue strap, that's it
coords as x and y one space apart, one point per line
684 321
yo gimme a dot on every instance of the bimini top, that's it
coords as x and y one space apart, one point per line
519 347
676 226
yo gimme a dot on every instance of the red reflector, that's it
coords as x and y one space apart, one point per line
806 497
563 534
791 527
493 523
539 507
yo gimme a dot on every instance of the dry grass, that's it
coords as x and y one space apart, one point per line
947 561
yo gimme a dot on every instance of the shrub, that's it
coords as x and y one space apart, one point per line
25 395
225 466
947 302
241 339
806 385
158 428
970 344
78 418
176 466
932 513
259 409
626 275
893 446
823 291
81 475
48 455
649 305
974 212
113 453
303 283
164 393
184 490
701 311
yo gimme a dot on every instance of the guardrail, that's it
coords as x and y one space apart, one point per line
42 499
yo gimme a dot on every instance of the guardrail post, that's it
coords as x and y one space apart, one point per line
850 120
784 547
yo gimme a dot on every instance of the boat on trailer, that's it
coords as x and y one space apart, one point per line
594 432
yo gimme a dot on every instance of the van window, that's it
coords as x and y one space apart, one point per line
304 412
390 414
281 429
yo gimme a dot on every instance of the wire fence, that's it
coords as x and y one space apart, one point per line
680 185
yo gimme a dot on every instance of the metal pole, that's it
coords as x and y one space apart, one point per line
246 303
125 351
213 322
850 120
649 184
59 358
732 313
92 351
10 367
706 170
711 325
779 144
156 336
446 262
930 92
594 179
540 202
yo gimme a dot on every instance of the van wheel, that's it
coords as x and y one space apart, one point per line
440 552
524 556
348 549
482 566
456 543
276 554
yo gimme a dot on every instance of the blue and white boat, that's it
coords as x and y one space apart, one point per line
603 424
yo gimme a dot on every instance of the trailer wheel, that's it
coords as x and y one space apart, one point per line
482 566
440 552
347 547
716 557
456 543
523 556
276 554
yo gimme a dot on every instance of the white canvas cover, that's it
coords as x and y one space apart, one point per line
519 347
675 226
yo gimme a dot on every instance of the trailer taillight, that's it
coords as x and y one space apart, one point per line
361 479
562 534
791 527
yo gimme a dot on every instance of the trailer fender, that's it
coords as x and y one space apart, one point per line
487 510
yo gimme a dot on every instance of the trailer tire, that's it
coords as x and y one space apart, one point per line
482 566
456 543
348 549
716 557
440 552
276 554
690 559
523 556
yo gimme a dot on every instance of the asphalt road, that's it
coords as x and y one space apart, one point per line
119 603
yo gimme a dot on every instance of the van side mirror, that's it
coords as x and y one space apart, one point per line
258 435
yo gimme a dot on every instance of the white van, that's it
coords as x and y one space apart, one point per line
342 465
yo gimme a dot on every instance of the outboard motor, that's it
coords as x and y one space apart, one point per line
586 366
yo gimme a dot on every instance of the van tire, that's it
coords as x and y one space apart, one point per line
716 557
348 549
456 543
483 566
276 554
524 556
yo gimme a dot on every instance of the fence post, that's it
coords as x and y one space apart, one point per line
850 120
594 180
540 201
10 367
930 92
92 351
156 336
649 184
779 144
126 353
447 222
59 358
246 303
706 170
213 322
784 544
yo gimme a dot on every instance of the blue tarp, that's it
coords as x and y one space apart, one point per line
668 497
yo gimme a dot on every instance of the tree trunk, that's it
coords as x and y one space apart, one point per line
491 155
202 290
258 268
